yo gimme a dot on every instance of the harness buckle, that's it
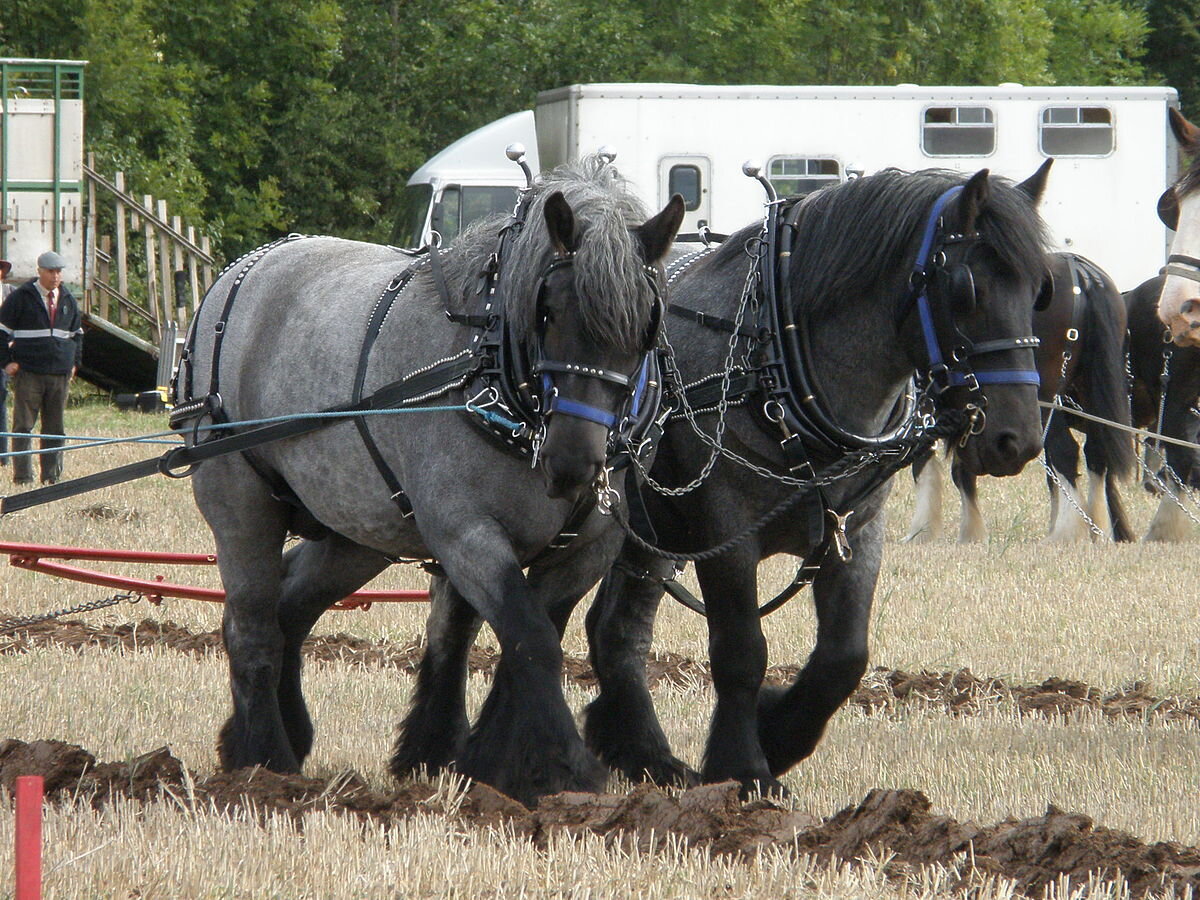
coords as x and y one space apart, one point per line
841 543
607 497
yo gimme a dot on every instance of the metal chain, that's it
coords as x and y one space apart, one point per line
673 375
15 624
900 454
1166 491
1053 476
1068 403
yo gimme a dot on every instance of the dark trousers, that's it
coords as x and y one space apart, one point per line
3 416
45 396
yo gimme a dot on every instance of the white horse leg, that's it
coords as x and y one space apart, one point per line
1097 505
971 529
1170 523
926 523
1067 524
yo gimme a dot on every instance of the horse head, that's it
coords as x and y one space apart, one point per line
1179 209
598 313
986 274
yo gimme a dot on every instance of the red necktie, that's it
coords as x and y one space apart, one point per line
50 306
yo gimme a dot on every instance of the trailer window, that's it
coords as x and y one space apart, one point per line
684 180
1076 131
958 131
795 176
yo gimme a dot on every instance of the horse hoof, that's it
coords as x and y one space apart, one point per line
764 788
671 772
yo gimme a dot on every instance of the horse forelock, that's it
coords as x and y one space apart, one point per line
856 238
616 301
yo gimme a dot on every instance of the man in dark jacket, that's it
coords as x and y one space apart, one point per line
42 321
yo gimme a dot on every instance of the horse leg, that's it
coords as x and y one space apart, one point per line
524 742
621 725
926 525
1104 496
434 732
792 720
1097 471
1170 523
1062 456
249 526
1122 530
738 655
317 574
971 527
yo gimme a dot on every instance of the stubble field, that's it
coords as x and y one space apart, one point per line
1057 676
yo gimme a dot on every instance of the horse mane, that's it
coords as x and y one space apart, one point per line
616 299
852 239
1189 182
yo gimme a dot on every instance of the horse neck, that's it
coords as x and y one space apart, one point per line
858 361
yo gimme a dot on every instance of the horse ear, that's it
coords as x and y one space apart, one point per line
657 234
973 198
1035 185
560 222
1186 133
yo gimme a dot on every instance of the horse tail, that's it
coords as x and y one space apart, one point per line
1104 326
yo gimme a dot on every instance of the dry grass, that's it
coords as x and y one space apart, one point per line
1014 608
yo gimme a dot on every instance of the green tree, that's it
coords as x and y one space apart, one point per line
1173 47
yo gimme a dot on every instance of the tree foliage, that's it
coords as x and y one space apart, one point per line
256 117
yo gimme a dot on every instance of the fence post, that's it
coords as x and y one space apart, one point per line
122 249
29 791
193 277
152 292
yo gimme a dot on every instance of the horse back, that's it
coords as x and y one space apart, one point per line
295 326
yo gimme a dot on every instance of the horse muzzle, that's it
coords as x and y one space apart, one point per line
1011 434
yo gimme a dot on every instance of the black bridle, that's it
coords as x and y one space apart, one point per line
517 377
551 399
948 352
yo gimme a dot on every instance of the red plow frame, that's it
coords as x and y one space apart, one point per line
34 558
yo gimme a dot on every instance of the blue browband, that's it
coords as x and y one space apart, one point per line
957 372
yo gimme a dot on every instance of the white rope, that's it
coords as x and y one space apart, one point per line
1117 425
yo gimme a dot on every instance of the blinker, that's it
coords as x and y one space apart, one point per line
1168 208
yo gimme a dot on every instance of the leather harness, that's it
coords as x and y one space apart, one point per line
783 385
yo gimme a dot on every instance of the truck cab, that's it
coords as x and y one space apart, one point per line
469 180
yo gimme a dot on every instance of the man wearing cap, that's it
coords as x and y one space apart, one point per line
41 319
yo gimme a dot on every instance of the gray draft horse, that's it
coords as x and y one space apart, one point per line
292 342
850 286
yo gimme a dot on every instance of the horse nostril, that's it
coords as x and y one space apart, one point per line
1008 444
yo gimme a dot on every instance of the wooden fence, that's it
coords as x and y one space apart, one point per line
147 271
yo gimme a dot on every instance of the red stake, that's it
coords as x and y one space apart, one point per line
29 837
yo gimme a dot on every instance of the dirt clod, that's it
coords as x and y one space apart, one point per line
899 824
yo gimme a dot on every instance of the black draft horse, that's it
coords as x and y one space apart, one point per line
849 288
1081 361
1165 383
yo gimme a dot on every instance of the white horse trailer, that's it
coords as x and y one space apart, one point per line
1113 151
41 163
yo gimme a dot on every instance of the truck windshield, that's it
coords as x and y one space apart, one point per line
414 209
460 206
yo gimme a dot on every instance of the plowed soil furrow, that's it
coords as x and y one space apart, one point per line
897 825
881 691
